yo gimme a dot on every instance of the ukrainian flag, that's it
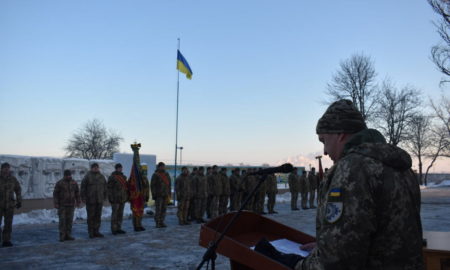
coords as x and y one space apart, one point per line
183 66
335 192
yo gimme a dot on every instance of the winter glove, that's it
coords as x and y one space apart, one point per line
266 248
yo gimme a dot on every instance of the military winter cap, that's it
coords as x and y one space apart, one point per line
341 117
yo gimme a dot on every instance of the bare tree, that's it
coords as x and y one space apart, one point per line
419 140
440 143
442 113
355 80
93 141
440 54
396 108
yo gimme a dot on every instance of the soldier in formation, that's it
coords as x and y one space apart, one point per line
210 193
223 199
10 198
160 188
249 182
183 191
93 193
215 188
235 190
192 206
294 184
66 196
260 195
117 196
304 189
139 196
312 184
272 190
200 195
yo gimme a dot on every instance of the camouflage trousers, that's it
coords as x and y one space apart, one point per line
191 212
250 203
200 208
223 204
94 217
7 214
208 206
312 194
160 210
259 202
183 211
294 199
214 206
137 222
116 216
234 201
304 199
65 214
271 201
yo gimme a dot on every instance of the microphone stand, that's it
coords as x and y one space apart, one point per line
210 254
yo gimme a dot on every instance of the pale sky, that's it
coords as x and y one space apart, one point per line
260 71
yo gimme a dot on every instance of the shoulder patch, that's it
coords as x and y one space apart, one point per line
334 211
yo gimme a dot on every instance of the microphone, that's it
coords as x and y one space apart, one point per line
285 168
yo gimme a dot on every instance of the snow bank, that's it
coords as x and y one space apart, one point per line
445 183
45 216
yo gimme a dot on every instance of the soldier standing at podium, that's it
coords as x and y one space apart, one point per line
369 215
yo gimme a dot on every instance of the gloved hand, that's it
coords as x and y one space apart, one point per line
18 205
266 248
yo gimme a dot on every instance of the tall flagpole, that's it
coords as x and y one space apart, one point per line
176 125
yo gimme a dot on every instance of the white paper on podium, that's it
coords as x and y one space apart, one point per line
288 247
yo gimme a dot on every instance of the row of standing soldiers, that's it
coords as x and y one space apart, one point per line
214 193
306 185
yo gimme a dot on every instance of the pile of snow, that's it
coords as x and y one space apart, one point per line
45 216
445 183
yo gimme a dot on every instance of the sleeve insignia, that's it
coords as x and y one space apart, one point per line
334 211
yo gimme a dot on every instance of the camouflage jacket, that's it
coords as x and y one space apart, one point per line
235 183
66 193
117 188
183 187
9 188
214 184
225 184
303 187
369 210
294 182
201 187
160 185
312 181
261 192
271 183
93 188
249 183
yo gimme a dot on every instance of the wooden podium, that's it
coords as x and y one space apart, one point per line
245 233
437 251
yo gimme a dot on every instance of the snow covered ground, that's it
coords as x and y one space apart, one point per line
36 246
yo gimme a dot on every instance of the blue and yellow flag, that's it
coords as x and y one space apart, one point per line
183 66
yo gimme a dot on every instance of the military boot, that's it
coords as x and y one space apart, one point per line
7 244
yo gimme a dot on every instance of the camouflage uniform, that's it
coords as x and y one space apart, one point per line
249 184
312 184
183 189
304 189
160 188
235 191
191 212
272 191
93 193
223 200
369 205
294 189
215 186
117 196
8 187
258 204
200 195
65 196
